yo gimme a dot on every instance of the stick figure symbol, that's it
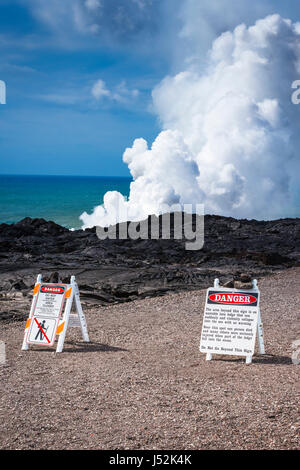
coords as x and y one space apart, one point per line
40 333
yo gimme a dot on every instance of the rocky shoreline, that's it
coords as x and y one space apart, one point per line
113 271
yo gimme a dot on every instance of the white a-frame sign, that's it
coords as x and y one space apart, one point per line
50 314
231 321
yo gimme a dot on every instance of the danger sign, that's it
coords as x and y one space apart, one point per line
231 319
53 289
47 310
232 298
47 320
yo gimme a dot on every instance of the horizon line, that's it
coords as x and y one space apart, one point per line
67 176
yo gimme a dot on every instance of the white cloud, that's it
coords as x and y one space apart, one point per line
99 90
121 93
230 134
124 94
92 4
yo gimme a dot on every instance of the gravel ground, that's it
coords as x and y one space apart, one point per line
142 383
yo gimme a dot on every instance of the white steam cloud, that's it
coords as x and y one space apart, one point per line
230 134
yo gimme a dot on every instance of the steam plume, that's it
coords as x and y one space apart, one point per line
230 135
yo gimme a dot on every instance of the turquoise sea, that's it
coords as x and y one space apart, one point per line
58 198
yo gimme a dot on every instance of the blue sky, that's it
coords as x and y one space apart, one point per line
79 75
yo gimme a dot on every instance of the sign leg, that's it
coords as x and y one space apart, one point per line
81 316
248 359
208 356
62 335
25 346
260 334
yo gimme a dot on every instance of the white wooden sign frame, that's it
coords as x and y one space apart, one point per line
259 328
63 322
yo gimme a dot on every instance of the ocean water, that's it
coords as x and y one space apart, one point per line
58 198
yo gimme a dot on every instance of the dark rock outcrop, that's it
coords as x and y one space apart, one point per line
122 270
